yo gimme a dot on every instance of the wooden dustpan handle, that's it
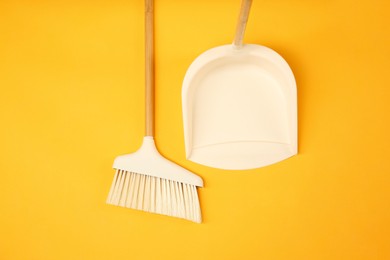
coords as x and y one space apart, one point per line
241 24
149 68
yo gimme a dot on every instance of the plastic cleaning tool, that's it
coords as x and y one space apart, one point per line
145 180
239 105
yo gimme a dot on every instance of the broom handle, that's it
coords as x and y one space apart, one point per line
149 68
241 24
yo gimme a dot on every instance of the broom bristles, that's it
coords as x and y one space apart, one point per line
155 195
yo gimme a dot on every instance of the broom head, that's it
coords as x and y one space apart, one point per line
146 181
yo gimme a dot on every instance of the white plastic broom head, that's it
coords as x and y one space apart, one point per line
145 180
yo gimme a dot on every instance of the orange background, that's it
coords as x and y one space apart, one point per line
71 81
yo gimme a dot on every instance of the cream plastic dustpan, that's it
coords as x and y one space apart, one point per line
239 105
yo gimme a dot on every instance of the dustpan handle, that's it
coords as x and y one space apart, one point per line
241 24
149 68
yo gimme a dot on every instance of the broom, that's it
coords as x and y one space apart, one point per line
145 180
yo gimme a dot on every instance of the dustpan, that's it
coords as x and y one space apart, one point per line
239 105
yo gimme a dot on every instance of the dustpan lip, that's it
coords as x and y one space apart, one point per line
239 161
226 51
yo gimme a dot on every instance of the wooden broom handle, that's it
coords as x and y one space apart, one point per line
149 68
241 24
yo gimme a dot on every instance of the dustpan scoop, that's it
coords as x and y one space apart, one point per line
239 105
